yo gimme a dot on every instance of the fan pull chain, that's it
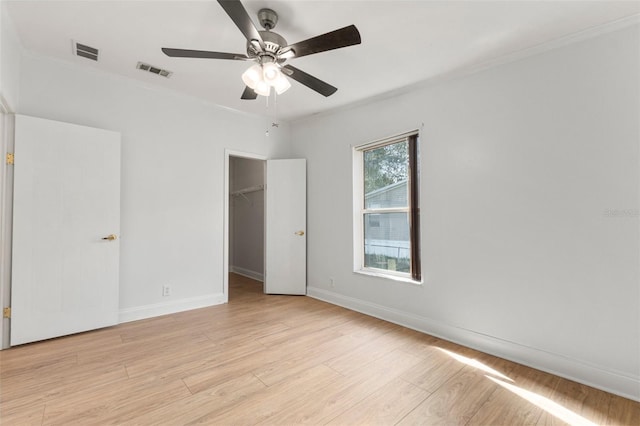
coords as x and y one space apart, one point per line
275 113
266 133
275 107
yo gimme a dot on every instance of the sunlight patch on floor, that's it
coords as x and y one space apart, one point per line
475 364
546 404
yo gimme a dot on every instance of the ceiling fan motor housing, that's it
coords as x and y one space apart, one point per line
272 43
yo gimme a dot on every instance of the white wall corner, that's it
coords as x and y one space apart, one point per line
171 307
615 382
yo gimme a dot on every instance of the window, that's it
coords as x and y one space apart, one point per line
386 210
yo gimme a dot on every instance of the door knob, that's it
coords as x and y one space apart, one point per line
110 237
300 233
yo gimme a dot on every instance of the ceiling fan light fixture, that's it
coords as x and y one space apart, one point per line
262 88
252 76
282 84
271 73
262 77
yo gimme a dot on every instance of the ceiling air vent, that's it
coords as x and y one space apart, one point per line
155 70
85 51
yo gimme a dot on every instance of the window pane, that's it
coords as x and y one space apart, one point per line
386 241
386 173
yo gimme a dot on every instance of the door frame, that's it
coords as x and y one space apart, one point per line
227 182
6 216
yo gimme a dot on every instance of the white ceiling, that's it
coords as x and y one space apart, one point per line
403 42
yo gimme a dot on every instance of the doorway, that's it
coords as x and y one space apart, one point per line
244 248
246 217
283 193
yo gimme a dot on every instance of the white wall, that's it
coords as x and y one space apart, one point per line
519 164
172 176
247 218
9 59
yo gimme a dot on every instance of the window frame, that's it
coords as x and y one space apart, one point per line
413 209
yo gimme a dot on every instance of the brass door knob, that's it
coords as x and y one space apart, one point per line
110 237
300 233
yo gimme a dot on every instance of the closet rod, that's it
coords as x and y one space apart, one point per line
247 190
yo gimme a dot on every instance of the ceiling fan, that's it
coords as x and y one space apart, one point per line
270 51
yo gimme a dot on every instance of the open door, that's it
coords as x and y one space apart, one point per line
66 224
285 227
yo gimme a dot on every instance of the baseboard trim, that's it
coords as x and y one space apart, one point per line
247 273
577 370
171 307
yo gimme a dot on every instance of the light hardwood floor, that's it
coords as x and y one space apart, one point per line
282 360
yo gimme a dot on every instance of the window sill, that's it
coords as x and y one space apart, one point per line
380 274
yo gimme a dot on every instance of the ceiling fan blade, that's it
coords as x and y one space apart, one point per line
240 17
186 53
347 36
310 81
248 94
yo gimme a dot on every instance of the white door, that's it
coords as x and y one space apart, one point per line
285 228
66 202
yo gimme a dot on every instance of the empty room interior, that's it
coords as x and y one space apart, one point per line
366 212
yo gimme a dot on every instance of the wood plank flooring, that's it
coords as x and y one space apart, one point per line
282 360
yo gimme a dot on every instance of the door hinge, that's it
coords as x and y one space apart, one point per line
6 312
10 158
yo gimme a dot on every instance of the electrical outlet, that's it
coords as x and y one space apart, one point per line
166 290
332 282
